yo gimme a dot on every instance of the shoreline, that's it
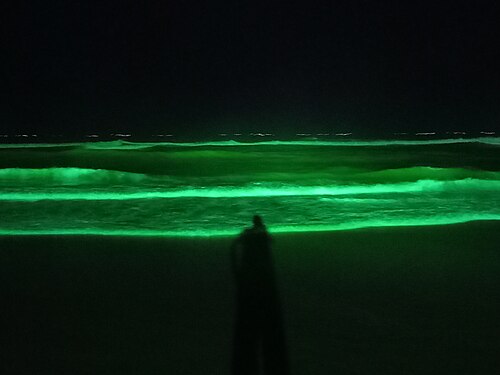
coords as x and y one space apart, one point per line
285 231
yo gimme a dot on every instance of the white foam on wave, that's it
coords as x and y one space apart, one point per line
421 186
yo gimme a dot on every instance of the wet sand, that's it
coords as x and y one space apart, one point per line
404 300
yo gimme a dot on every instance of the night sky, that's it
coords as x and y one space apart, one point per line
203 67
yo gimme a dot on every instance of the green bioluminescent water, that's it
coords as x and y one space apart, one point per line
420 186
231 232
122 145
207 189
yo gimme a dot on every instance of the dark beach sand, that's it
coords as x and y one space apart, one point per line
405 300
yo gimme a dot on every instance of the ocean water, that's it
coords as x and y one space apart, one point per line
214 188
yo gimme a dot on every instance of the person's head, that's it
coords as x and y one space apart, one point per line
257 221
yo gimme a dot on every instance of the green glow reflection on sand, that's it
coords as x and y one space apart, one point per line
280 229
245 192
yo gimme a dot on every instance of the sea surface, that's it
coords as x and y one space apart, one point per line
214 188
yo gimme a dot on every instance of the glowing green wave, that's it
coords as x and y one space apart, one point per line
420 186
112 145
443 220
85 176
67 176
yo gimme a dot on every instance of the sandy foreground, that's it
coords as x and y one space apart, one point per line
403 300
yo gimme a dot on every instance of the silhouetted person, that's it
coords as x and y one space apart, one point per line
258 336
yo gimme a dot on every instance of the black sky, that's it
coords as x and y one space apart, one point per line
240 66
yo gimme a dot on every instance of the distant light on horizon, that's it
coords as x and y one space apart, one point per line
426 133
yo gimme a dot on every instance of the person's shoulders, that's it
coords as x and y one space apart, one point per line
246 232
255 232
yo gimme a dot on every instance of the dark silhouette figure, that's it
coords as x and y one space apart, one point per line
259 341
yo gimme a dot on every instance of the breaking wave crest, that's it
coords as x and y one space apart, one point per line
32 177
25 177
421 186
66 176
